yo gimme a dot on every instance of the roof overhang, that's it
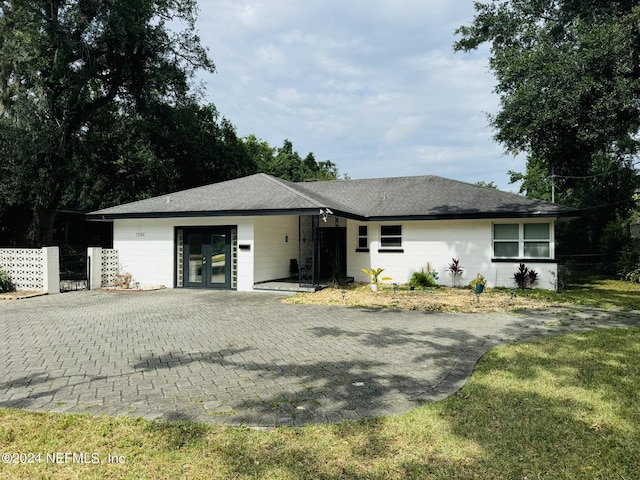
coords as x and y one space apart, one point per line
107 217
337 213
471 216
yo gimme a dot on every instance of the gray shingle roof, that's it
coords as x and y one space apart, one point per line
255 193
427 197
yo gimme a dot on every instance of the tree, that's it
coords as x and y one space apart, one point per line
484 184
260 152
125 157
62 63
286 163
568 76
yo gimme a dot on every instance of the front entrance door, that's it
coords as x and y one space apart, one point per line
333 253
207 257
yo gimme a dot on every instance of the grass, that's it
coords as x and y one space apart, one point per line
564 407
556 408
599 293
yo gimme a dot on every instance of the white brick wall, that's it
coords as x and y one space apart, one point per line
438 242
146 247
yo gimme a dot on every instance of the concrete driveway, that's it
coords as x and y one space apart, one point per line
245 358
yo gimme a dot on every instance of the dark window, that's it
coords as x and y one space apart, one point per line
363 236
390 236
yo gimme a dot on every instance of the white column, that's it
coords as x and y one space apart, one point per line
51 270
245 256
94 260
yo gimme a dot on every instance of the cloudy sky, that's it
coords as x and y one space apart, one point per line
372 85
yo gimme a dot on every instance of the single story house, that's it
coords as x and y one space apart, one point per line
242 233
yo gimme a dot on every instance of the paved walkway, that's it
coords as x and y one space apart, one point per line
239 358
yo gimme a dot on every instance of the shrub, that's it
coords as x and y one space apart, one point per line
524 277
424 278
123 280
629 267
479 279
456 269
632 274
6 284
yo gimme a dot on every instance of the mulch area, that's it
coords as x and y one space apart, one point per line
20 294
440 299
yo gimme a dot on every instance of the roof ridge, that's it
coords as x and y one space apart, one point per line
290 186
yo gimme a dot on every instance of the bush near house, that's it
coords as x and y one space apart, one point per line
456 270
426 277
629 266
6 284
525 277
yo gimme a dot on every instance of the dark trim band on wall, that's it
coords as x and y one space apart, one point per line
524 260
391 250
362 250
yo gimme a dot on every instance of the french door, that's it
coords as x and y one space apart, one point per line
207 257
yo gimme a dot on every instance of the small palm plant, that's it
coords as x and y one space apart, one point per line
374 274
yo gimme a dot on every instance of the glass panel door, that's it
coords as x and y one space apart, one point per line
207 257
219 259
195 259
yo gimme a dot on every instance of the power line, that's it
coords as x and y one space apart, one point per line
602 205
592 176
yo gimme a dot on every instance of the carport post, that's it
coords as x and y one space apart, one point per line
51 270
94 265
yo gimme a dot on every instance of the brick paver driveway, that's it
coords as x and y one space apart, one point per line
244 358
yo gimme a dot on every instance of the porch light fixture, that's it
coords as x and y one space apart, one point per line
324 214
286 238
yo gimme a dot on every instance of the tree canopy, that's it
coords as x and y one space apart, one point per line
97 108
61 64
568 76
286 163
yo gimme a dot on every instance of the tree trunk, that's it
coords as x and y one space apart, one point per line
44 202
41 229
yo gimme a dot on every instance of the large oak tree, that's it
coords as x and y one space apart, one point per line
568 76
67 63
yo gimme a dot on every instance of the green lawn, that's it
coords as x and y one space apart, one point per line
599 293
561 407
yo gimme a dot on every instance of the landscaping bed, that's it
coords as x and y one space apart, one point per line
138 288
437 299
20 294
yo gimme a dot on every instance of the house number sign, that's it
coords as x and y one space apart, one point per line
139 234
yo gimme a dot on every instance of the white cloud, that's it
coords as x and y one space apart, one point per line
372 85
404 128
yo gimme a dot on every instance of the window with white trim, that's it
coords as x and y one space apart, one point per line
390 236
522 240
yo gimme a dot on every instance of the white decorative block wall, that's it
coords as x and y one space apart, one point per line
25 267
110 266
